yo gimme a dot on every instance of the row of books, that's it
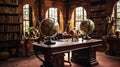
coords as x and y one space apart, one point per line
2 28
98 27
10 10
97 20
9 19
10 36
95 34
9 28
100 14
98 7
8 1
10 43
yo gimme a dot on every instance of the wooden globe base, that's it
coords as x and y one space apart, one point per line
86 37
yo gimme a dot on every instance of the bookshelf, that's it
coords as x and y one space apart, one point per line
9 27
98 14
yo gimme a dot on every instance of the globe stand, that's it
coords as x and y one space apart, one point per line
49 42
86 37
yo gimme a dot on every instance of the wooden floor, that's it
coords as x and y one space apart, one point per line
32 61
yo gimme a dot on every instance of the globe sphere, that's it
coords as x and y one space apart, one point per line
49 27
87 26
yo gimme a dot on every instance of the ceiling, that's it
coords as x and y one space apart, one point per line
92 2
88 1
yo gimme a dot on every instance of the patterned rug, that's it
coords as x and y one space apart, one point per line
32 61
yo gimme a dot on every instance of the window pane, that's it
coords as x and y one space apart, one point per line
26 18
80 15
77 25
118 21
118 28
77 18
25 25
118 9
52 13
46 16
118 16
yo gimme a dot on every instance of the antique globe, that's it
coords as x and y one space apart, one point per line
87 27
49 27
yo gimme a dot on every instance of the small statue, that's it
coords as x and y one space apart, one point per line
111 26
74 35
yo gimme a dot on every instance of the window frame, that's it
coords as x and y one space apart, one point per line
115 14
50 15
27 22
82 12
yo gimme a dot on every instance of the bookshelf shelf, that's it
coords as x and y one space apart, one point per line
9 5
9 14
9 23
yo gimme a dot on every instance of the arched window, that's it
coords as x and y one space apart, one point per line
80 15
57 15
116 15
53 13
27 17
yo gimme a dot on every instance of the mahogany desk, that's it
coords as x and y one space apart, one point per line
83 51
113 46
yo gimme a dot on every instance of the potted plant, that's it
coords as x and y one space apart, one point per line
31 32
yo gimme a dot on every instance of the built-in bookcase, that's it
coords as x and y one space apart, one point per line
98 14
9 26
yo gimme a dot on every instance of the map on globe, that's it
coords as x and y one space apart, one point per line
49 27
87 26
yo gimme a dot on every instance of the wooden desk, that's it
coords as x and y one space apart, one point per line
113 46
54 54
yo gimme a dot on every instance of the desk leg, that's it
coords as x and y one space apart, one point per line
56 60
85 57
